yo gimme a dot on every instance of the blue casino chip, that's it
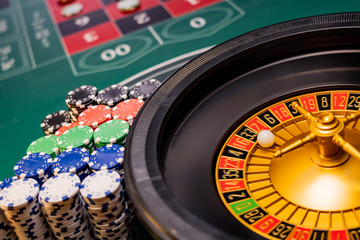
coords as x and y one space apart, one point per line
107 157
33 165
73 161
4 183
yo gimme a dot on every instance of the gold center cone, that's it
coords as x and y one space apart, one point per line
321 169
302 181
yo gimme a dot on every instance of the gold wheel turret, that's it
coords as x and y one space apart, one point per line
320 161
328 132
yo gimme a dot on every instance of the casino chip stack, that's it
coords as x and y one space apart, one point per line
63 129
106 208
144 89
74 161
80 99
5 228
111 132
21 207
111 157
112 95
63 207
80 136
54 121
127 110
36 166
47 144
95 116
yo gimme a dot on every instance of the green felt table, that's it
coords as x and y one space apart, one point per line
42 59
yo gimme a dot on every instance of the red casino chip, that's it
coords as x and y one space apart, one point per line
95 116
65 128
127 110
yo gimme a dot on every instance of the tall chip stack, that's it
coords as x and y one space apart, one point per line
79 99
19 202
111 157
105 205
5 228
63 207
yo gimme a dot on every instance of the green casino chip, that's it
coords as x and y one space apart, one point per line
47 144
80 136
121 142
111 132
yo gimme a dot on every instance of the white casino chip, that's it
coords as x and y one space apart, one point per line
72 9
99 184
128 5
19 193
60 187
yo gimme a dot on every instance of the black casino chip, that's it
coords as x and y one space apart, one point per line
144 89
112 95
54 121
79 99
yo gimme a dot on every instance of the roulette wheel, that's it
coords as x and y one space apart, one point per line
195 169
